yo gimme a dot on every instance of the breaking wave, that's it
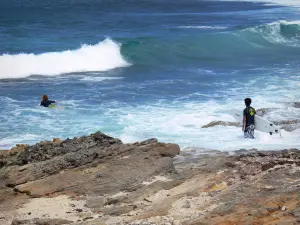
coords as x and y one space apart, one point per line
103 56
267 38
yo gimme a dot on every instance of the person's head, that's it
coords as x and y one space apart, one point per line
45 98
248 101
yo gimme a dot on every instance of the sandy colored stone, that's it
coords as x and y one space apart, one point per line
96 179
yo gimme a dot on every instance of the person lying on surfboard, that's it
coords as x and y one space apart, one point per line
45 102
248 119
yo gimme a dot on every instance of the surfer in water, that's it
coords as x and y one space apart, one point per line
248 119
46 102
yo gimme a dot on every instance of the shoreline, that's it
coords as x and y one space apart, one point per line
288 128
97 179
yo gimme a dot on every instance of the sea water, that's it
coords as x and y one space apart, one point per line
147 69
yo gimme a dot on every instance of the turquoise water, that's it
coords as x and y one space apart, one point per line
137 70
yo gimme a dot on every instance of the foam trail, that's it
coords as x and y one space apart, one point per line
103 56
204 27
275 2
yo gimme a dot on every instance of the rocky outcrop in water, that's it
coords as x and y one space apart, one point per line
287 125
295 104
97 179
221 123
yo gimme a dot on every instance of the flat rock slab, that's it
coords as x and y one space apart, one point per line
99 180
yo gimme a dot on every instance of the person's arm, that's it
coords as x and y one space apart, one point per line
51 101
254 116
244 120
244 123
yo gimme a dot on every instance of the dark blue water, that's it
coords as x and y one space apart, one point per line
138 70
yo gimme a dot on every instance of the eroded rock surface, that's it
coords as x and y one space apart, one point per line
95 165
97 179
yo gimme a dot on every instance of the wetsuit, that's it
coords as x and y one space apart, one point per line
249 113
47 103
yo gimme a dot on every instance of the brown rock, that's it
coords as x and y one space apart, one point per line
40 222
168 150
139 184
221 123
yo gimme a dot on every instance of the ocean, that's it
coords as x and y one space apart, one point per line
148 69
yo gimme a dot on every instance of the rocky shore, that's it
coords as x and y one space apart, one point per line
96 179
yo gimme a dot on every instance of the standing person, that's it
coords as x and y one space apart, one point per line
45 102
248 119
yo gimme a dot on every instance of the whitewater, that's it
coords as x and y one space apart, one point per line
100 57
139 70
294 3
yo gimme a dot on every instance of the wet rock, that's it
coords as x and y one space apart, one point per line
263 111
290 128
221 123
296 104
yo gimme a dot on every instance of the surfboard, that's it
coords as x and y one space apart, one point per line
261 124
51 106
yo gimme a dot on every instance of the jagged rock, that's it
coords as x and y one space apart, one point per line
144 183
101 162
18 149
47 150
56 140
221 123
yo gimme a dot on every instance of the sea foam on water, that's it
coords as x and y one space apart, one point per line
103 56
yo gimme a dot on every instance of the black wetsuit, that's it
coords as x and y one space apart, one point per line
249 113
47 103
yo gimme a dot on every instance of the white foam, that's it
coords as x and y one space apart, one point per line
295 3
177 121
204 27
293 22
7 143
103 56
272 32
183 126
181 121
99 79
7 99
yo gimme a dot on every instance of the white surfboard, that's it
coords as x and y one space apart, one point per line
261 124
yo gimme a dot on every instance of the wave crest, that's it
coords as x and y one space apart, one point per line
204 27
279 32
103 56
